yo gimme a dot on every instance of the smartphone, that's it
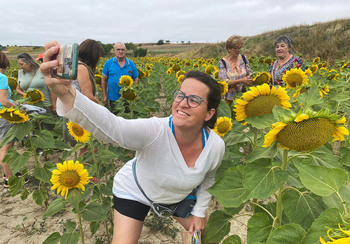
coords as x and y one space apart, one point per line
67 58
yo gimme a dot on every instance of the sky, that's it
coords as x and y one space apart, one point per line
35 22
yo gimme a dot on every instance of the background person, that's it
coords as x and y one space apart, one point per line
5 101
40 58
112 70
89 53
234 68
30 77
285 60
174 155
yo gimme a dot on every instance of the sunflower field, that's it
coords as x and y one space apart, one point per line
286 163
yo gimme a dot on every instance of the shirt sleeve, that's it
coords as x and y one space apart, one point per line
222 71
204 197
3 82
134 134
105 69
135 72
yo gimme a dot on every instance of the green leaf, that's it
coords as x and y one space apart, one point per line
218 227
94 226
229 190
310 98
43 139
286 234
57 205
70 238
74 197
333 200
106 190
39 196
42 174
235 239
261 122
94 212
261 179
18 161
259 228
107 155
15 184
24 194
328 219
323 156
322 181
339 96
21 130
301 207
345 156
261 152
224 110
70 225
53 238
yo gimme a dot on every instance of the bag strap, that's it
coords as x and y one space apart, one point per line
223 62
137 182
244 59
30 82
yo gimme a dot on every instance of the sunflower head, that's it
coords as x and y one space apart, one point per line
180 79
34 95
176 67
261 78
222 126
307 131
69 175
260 100
169 71
339 237
127 80
314 68
141 74
180 72
294 78
12 83
224 87
129 94
316 60
78 132
98 79
13 115
15 73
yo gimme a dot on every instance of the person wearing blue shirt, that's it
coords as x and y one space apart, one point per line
112 70
5 102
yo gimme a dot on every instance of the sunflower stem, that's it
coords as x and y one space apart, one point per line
343 204
33 149
278 219
81 229
255 139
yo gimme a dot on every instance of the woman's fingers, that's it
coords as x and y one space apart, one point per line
51 44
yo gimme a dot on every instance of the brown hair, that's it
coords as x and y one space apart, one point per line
233 41
28 60
90 52
4 61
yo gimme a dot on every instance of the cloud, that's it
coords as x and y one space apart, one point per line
38 21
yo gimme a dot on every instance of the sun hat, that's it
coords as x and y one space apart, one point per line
41 55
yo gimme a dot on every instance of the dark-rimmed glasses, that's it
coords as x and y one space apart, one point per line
192 100
120 50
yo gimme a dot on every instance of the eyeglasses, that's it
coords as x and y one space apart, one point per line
120 50
192 100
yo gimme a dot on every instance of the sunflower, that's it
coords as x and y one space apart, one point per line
294 77
129 94
15 73
12 83
69 175
180 79
209 70
324 91
180 72
308 72
98 80
260 100
169 71
307 131
261 78
222 126
35 96
314 68
78 133
195 65
300 90
316 60
224 87
13 115
176 67
141 74
127 80
216 74
339 239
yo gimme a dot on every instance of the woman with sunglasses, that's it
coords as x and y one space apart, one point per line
174 155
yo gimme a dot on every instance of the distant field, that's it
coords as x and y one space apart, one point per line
12 52
170 49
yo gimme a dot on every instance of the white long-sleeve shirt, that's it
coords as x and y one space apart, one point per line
161 169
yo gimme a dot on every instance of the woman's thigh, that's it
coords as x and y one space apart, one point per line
126 230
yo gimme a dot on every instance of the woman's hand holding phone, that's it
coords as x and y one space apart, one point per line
60 87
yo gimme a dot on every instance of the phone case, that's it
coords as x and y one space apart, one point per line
67 62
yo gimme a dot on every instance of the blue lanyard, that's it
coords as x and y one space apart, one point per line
205 133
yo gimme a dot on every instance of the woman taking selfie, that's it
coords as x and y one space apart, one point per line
174 155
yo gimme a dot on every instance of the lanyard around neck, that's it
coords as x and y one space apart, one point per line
205 133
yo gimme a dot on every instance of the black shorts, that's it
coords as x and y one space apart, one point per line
131 208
